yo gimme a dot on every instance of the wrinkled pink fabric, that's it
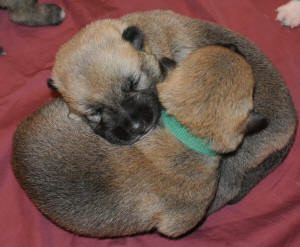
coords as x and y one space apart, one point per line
268 216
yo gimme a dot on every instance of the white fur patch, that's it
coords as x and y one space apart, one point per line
73 116
289 14
62 14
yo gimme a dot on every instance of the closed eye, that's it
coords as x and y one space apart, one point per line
131 84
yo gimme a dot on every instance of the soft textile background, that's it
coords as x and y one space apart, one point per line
268 216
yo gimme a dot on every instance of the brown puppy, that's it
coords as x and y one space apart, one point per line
91 187
102 46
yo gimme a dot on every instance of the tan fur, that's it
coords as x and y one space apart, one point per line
175 36
90 66
229 71
91 187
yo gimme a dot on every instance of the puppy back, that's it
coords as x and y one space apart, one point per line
210 92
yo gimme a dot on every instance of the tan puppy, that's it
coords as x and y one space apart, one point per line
102 47
91 187
105 83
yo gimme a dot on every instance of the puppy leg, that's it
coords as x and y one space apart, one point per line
289 14
236 181
30 13
254 175
175 225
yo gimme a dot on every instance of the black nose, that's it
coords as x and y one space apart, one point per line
137 115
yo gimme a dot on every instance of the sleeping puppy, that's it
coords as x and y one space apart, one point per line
167 180
30 13
106 78
89 68
289 14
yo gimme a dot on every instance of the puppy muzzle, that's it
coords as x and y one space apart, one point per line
137 115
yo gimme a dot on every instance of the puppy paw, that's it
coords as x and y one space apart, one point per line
49 14
74 116
289 14
38 15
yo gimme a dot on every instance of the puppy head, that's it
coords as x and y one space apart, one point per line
105 76
210 92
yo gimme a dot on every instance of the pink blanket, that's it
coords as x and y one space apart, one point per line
268 216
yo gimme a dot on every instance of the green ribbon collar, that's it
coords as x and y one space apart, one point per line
183 134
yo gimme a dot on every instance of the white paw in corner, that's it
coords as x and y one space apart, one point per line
289 14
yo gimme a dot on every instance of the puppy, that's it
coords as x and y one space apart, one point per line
90 187
30 13
289 14
109 80
89 68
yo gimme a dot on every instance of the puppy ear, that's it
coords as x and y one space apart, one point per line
50 85
166 65
135 36
255 123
